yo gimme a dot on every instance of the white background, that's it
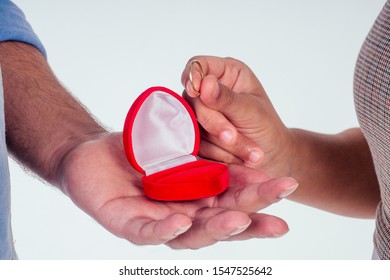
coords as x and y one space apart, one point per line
107 52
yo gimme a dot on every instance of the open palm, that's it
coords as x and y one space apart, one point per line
98 178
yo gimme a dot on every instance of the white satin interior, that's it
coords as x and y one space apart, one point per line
163 133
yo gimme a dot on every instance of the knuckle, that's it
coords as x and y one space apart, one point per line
232 60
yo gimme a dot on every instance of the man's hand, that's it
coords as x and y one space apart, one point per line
98 178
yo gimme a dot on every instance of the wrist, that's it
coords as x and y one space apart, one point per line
280 153
296 150
65 149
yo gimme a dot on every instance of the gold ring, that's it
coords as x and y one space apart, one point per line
190 73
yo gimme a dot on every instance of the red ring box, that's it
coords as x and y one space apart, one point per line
161 140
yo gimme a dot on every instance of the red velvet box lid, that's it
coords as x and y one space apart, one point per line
161 140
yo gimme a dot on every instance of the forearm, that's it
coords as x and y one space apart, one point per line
335 172
43 121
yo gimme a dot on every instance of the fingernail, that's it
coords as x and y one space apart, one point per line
276 235
226 137
191 91
288 191
189 88
181 230
255 156
240 229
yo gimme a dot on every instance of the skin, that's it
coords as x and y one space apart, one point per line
52 134
335 172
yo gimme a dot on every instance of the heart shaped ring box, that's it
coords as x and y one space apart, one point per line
161 140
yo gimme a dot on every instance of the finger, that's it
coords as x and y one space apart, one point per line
229 71
263 226
146 231
192 76
223 133
210 226
195 76
211 151
213 122
221 98
258 196
242 150
243 176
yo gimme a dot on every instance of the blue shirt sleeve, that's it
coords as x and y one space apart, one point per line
14 26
